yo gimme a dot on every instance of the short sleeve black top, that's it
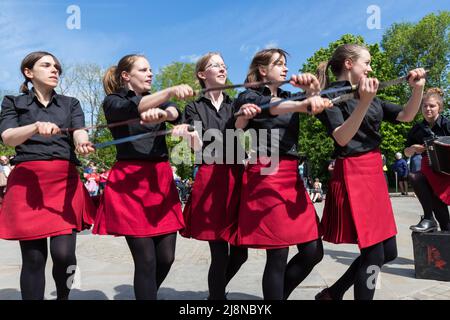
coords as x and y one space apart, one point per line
422 131
222 120
122 106
287 124
25 109
368 136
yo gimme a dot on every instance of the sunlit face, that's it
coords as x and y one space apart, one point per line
276 70
361 67
215 72
44 73
430 109
139 79
3 160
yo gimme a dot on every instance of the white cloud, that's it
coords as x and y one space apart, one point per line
191 58
249 50
244 48
271 44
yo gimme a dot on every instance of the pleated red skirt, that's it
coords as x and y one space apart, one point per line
140 200
44 199
211 212
440 183
275 209
357 206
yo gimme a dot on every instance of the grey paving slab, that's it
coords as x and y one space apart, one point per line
106 269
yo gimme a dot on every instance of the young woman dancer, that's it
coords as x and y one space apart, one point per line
211 212
45 197
276 211
357 207
140 200
432 188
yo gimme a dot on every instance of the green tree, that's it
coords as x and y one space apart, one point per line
424 44
4 149
411 45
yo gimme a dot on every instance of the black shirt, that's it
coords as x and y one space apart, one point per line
122 106
422 131
368 136
204 111
287 124
64 111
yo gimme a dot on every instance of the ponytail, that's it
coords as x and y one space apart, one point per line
111 81
24 87
337 61
322 74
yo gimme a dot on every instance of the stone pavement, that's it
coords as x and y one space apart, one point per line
106 269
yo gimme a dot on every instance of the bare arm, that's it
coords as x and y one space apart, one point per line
16 136
316 103
158 98
417 82
415 148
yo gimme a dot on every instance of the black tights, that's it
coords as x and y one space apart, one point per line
279 279
34 258
300 266
363 272
226 260
430 201
153 257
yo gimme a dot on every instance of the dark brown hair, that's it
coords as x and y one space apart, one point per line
28 63
262 58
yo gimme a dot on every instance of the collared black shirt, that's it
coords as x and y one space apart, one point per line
422 131
204 111
122 106
368 136
64 111
287 124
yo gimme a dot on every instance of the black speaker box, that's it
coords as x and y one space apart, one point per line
432 255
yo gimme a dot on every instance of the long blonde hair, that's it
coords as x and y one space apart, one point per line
112 80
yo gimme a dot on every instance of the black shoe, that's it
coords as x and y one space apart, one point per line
323 295
425 225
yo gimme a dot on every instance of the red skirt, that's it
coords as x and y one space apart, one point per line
440 183
357 206
211 212
44 199
275 209
140 200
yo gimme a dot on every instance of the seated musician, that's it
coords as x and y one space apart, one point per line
432 188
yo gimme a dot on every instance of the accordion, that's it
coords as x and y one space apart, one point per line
438 151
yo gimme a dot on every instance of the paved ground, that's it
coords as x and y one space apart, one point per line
106 269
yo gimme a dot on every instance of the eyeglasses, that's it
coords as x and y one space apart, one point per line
217 65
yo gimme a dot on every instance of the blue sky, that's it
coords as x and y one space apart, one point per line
168 31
